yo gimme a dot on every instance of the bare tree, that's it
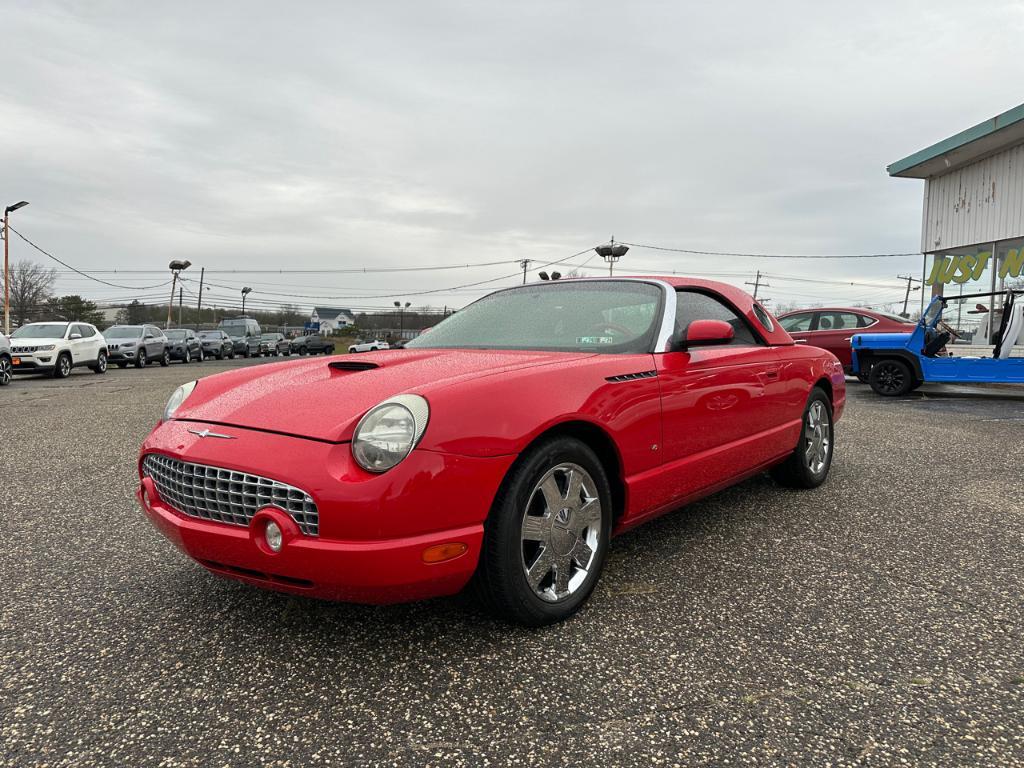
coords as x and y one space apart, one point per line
31 285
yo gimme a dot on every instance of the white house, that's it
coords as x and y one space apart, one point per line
332 318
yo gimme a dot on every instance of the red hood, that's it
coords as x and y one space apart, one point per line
313 399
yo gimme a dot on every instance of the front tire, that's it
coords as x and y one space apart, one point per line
546 538
140 359
202 355
62 368
188 356
809 464
891 378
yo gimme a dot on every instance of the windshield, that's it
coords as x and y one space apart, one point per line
932 314
41 331
269 337
209 334
175 334
123 332
608 316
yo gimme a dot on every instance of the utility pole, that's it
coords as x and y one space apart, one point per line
181 298
906 298
7 272
199 308
757 284
525 263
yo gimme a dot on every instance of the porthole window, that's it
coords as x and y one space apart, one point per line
763 318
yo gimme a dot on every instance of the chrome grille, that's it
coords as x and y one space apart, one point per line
225 495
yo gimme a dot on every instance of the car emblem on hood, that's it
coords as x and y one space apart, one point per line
208 433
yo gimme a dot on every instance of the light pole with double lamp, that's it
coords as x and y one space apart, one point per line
7 271
401 318
611 252
245 292
175 266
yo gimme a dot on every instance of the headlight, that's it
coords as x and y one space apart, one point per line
179 396
46 348
389 431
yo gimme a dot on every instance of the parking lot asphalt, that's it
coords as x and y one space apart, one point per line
874 621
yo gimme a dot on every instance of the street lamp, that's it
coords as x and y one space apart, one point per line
401 318
611 252
245 292
7 275
175 266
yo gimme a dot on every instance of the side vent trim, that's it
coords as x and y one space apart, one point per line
632 376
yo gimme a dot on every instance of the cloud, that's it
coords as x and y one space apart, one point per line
258 134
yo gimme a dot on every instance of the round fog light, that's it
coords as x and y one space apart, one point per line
272 533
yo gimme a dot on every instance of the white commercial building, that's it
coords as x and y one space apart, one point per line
972 231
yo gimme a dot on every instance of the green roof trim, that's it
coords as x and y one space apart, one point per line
979 131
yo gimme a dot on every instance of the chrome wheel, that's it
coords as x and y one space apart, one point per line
561 532
818 437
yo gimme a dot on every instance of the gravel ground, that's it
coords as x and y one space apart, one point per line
875 621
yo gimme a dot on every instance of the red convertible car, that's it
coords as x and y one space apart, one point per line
505 447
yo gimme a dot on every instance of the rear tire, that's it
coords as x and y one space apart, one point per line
101 363
809 464
891 378
165 359
6 370
531 568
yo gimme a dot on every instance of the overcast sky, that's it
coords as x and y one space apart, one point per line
338 135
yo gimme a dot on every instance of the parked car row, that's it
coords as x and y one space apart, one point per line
55 348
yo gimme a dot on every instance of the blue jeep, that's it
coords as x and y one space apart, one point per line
896 363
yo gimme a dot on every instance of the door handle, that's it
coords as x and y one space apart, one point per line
848 338
771 373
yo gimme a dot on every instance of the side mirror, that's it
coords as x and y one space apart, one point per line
74 336
706 333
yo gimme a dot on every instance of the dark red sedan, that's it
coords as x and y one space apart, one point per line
832 328
505 447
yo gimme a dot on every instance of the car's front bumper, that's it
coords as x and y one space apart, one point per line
33 362
373 529
121 355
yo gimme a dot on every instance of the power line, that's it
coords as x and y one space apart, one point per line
80 272
405 294
771 255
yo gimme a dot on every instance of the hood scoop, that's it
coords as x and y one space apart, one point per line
345 365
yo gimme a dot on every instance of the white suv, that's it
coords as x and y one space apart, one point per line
56 348
368 346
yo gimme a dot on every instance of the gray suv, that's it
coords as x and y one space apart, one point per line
185 345
5 361
136 345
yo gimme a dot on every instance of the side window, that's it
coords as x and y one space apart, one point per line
80 329
837 321
691 306
863 321
798 323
